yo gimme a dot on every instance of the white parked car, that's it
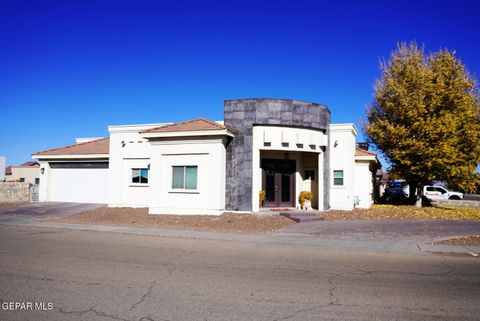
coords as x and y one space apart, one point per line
440 193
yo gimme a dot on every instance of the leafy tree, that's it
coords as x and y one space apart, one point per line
425 118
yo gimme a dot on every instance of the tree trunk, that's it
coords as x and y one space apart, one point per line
415 195
418 202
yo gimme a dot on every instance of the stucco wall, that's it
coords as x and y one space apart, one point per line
363 184
2 167
208 154
342 157
240 115
304 145
29 174
128 150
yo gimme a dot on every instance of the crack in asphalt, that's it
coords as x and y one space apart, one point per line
170 266
367 272
92 310
144 296
301 311
334 299
448 273
458 277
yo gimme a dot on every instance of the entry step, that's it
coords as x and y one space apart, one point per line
302 216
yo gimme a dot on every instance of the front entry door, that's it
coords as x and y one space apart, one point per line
279 182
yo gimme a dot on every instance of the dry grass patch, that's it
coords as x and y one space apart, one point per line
382 212
139 217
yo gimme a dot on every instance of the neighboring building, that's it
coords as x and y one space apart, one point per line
366 167
203 167
2 168
28 172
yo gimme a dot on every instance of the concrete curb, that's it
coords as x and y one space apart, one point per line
449 248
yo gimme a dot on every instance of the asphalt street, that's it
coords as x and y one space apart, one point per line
91 275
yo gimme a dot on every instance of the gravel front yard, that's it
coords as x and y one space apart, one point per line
139 217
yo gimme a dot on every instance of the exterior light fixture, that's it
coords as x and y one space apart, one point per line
335 144
42 170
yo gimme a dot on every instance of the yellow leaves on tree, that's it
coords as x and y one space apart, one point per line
425 117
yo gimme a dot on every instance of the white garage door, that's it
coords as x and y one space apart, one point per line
84 185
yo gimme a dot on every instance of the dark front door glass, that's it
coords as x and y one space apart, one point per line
269 186
278 180
285 187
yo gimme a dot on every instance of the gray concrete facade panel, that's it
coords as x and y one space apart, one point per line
241 115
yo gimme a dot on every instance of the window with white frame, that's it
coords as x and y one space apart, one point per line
184 177
140 175
338 177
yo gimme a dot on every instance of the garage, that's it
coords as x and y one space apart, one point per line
85 182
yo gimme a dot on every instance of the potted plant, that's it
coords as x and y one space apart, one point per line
261 197
305 200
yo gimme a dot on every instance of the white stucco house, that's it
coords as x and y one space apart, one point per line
201 166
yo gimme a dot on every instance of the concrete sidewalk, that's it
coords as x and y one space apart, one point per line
387 236
324 242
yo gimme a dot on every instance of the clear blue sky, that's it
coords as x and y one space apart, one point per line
70 68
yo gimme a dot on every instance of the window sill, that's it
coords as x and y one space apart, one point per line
138 185
184 191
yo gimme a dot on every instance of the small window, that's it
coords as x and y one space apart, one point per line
430 189
22 179
338 178
140 175
37 181
310 174
184 177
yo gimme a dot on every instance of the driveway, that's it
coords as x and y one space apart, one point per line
386 230
35 212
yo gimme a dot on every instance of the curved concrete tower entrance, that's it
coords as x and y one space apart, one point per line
271 134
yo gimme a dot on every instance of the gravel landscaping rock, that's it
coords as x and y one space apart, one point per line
139 217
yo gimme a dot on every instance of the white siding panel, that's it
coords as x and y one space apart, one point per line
84 185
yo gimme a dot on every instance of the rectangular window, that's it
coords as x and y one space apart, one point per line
22 179
37 181
184 177
338 178
140 175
